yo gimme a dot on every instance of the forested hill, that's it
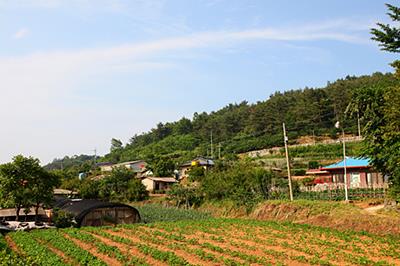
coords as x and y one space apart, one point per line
243 127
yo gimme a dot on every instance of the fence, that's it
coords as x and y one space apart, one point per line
334 194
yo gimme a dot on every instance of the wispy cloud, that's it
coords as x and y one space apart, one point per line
46 71
32 85
21 33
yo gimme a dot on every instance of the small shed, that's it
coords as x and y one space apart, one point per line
88 212
154 184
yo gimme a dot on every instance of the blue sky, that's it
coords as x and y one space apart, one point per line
75 74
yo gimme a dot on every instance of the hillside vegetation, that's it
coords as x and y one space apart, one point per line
242 127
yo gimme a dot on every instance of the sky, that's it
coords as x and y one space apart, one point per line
74 74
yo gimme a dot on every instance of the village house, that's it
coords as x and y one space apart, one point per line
158 184
206 163
138 166
359 173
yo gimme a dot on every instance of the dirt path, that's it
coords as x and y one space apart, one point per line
374 209
92 249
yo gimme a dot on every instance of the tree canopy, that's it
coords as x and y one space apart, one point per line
25 184
379 107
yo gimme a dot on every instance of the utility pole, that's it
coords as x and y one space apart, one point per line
358 124
219 150
285 139
95 155
346 194
212 149
313 136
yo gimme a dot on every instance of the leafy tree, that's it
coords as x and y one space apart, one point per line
243 182
116 144
114 185
89 189
136 191
163 167
24 183
196 173
379 107
183 126
388 36
187 196
42 189
119 185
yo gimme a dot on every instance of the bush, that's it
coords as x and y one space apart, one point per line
136 191
242 182
186 195
119 185
89 189
313 165
62 219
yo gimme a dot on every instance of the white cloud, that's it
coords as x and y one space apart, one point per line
22 33
33 87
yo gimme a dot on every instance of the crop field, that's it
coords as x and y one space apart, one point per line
205 242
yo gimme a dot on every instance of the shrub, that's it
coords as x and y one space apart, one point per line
62 219
136 191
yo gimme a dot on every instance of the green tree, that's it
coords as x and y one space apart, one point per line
115 184
116 144
388 36
163 167
379 107
136 191
89 189
196 173
24 183
42 189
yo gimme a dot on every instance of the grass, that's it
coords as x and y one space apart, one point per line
151 213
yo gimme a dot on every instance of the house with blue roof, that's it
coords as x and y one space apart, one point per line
359 172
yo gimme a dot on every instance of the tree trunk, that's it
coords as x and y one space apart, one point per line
36 212
17 210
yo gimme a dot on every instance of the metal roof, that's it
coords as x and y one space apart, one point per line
162 179
202 161
351 162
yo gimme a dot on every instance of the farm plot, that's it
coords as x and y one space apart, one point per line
206 242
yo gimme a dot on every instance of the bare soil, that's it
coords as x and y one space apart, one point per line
191 258
59 253
356 218
11 244
93 251
129 250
